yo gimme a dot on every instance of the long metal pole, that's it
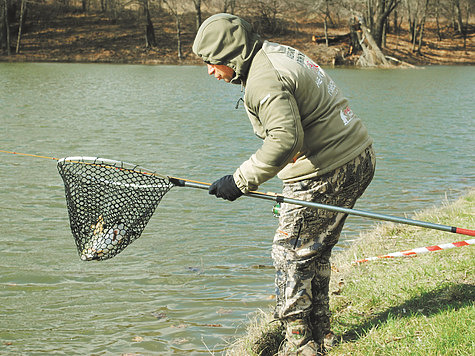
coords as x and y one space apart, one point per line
181 182
281 199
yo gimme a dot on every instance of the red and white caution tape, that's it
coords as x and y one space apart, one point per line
419 250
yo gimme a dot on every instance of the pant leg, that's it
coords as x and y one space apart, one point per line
348 184
305 237
294 272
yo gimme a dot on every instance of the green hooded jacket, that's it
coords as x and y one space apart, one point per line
306 124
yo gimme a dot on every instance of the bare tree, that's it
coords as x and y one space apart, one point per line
176 7
322 7
197 4
459 19
417 13
266 14
228 6
381 12
420 28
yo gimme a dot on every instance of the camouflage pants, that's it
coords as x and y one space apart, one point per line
305 237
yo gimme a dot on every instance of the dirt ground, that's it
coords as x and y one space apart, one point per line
95 38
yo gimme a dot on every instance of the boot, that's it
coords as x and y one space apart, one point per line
320 324
298 339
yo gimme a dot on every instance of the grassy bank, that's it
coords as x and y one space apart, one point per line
421 305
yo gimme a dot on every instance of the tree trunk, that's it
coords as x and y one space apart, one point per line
385 30
422 24
150 40
355 44
178 37
458 16
327 14
369 15
410 19
197 4
20 26
452 13
7 27
437 14
421 34
414 38
466 28
325 26
2 27
383 10
395 23
377 31
174 8
460 26
372 55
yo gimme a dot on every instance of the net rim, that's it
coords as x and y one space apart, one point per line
113 164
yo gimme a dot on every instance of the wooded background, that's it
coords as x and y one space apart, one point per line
381 17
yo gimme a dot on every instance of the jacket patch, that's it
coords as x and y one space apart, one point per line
347 115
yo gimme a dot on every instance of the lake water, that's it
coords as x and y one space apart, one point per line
202 265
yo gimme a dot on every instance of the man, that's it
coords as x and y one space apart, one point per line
314 142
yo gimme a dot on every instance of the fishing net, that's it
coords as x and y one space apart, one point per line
109 203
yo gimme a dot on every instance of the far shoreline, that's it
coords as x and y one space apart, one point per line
152 62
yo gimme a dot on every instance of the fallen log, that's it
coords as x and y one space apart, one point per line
331 39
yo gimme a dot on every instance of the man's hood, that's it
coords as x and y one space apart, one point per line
227 40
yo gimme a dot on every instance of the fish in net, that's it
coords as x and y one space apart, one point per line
109 203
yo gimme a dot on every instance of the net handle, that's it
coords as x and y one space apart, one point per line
281 199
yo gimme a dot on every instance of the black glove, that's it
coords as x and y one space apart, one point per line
225 188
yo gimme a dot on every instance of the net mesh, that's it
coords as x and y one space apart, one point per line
109 203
